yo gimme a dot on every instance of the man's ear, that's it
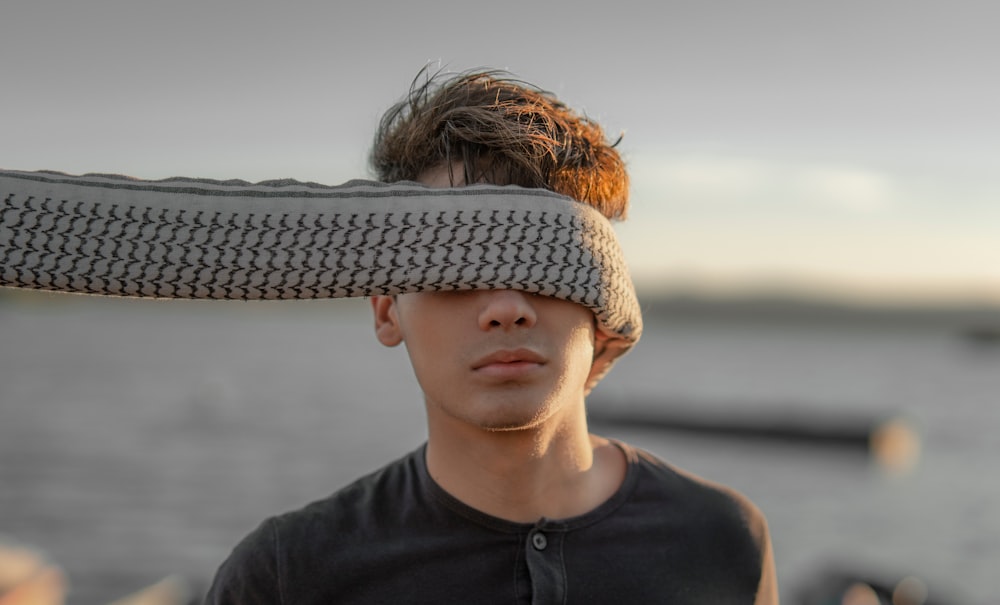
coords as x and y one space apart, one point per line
386 320
600 365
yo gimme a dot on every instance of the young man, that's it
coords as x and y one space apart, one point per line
511 500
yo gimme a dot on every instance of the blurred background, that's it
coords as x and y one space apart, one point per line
814 236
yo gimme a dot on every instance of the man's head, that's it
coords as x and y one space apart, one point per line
487 128
500 131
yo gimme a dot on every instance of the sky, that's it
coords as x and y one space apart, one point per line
846 151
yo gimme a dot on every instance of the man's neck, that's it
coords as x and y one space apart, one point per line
555 471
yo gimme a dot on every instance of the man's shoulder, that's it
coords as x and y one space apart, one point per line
374 494
680 493
322 535
725 535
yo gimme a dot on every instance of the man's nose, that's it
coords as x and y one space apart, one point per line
506 309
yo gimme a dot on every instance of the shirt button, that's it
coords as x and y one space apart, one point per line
539 541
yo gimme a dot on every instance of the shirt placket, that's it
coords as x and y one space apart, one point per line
544 556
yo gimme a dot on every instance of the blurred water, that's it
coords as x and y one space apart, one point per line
140 439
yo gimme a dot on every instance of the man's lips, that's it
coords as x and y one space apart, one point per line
509 363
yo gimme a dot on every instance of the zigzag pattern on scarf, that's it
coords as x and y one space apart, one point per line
197 238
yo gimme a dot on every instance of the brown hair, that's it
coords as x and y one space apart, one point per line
504 132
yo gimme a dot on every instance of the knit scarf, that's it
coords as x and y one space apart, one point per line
198 238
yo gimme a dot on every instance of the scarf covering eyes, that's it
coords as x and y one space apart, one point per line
197 238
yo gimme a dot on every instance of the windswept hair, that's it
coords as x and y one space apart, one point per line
502 131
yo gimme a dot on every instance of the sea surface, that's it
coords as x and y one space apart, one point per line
142 439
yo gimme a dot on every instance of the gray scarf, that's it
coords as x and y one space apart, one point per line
196 238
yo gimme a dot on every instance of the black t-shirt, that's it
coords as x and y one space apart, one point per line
395 536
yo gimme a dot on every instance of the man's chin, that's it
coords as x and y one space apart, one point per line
507 412
511 420
510 427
